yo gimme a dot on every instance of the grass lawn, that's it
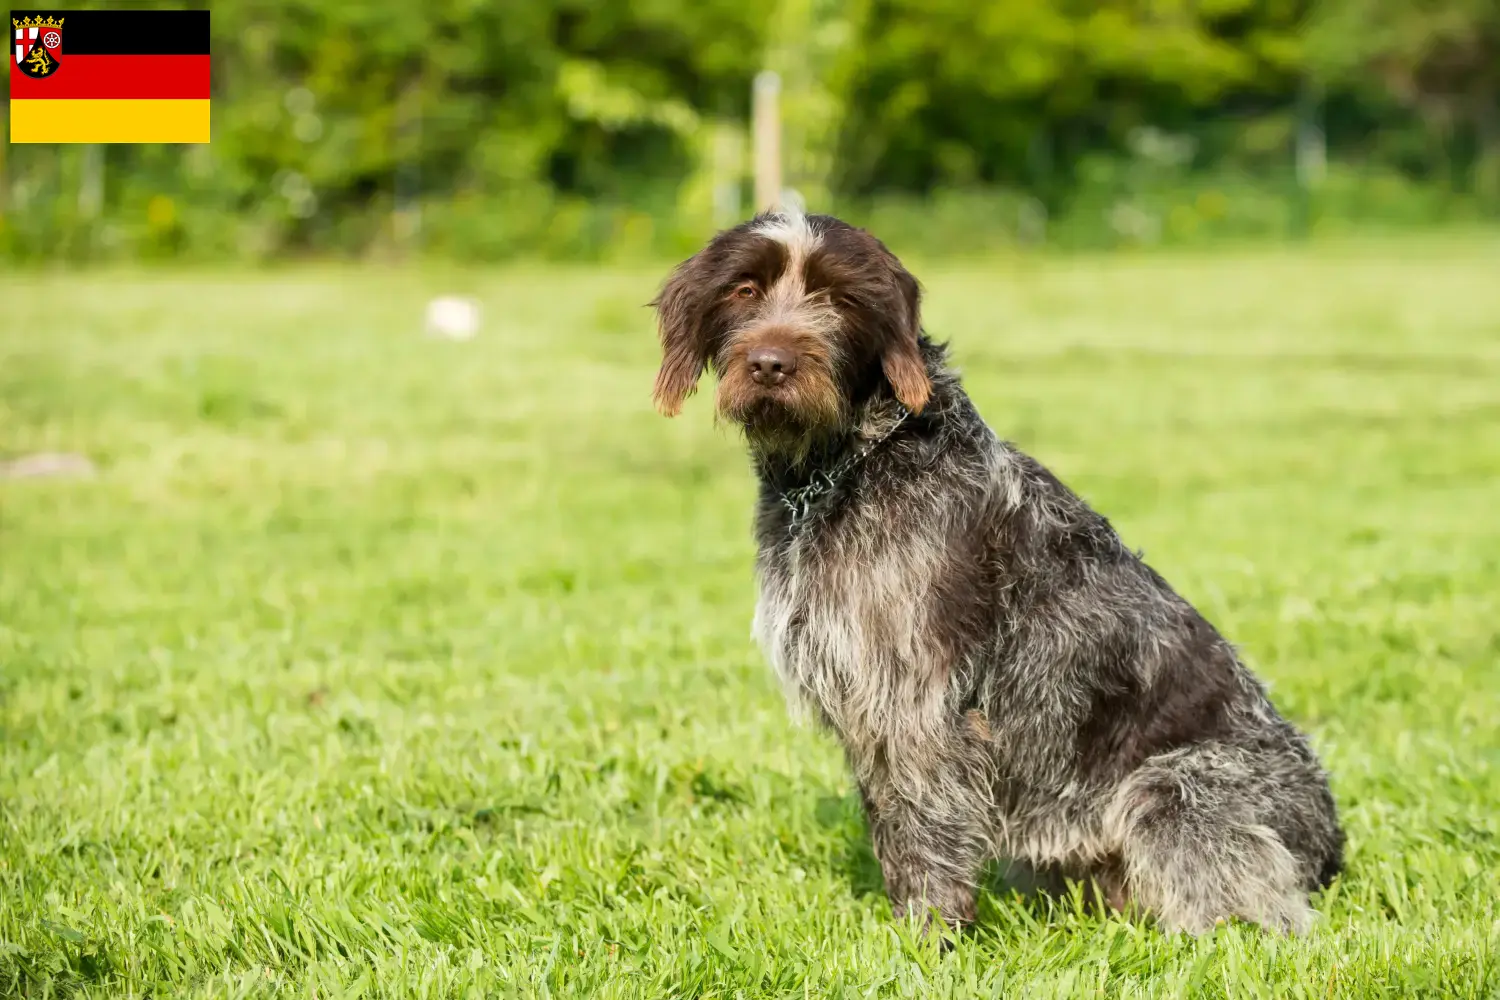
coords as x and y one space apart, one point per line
370 665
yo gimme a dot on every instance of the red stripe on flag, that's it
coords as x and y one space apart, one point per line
117 77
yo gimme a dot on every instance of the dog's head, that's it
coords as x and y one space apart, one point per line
801 317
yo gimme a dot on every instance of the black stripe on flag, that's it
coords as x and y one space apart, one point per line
128 32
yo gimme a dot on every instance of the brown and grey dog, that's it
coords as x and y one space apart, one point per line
1006 677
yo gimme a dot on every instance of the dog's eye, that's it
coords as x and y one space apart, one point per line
745 290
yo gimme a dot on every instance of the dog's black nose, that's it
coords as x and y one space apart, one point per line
771 365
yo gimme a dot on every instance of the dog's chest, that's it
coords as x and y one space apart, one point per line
846 618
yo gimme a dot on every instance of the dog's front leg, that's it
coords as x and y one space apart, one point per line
929 854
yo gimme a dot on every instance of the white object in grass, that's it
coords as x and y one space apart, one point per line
452 317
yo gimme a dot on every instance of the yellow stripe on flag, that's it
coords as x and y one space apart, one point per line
108 121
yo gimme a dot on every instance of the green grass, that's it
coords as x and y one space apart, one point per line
375 666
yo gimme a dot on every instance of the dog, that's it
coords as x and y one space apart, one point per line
1006 677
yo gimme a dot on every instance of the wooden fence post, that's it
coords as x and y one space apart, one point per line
767 141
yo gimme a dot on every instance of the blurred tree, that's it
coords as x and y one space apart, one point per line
1440 58
947 92
582 127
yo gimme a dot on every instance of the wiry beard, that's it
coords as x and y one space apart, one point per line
791 444
781 442
773 430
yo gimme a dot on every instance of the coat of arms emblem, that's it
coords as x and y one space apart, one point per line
38 44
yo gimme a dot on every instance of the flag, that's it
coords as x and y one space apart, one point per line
109 76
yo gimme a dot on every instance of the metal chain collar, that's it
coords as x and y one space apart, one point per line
799 501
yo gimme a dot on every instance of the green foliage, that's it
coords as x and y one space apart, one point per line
370 665
507 124
1008 91
596 128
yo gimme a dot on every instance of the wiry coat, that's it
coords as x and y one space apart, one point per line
1008 679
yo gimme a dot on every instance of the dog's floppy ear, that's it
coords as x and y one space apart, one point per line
680 322
902 358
